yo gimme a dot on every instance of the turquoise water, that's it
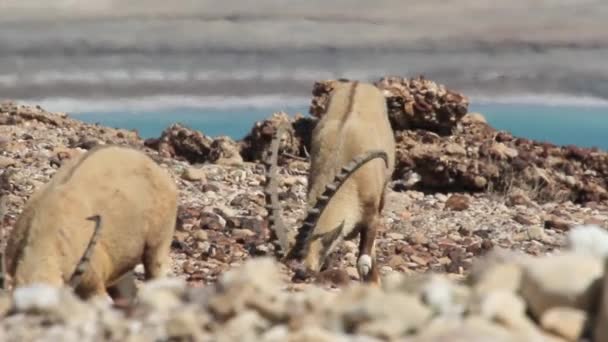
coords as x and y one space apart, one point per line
235 123
562 125
579 125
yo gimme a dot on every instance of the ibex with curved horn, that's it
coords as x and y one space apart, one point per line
352 160
134 197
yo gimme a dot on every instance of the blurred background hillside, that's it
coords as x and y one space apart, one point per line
113 48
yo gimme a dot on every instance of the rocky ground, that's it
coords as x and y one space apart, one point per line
461 190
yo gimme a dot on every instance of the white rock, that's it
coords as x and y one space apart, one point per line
560 280
565 322
588 239
36 298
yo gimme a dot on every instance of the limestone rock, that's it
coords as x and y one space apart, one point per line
225 151
178 141
56 303
294 142
588 239
385 315
194 174
560 280
457 202
254 284
564 322
6 162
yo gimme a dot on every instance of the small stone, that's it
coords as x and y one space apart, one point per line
455 149
419 260
536 233
596 221
194 174
201 235
417 238
480 182
6 162
395 236
500 276
352 272
441 197
557 224
405 215
518 197
242 233
502 151
457 203
396 261
565 322
524 219
350 246
386 269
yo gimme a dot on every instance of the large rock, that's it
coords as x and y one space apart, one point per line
181 142
371 311
564 280
588 239
57 304
225 151
567 323
295 140
256 285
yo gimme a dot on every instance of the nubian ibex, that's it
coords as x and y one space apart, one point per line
133 203
352 161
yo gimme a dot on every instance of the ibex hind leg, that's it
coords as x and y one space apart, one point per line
366 262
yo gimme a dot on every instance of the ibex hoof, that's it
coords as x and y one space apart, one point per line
364 265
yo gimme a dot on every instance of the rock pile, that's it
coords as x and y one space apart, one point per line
415 103
508 297
181 142
295 140
476 157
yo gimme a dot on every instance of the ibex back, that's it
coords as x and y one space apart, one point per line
123 191
352 160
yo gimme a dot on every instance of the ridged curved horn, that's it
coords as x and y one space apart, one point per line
275 221
81 267
314 213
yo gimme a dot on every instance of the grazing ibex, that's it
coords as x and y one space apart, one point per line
352 160
122 190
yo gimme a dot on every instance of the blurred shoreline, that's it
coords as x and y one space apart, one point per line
209 52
